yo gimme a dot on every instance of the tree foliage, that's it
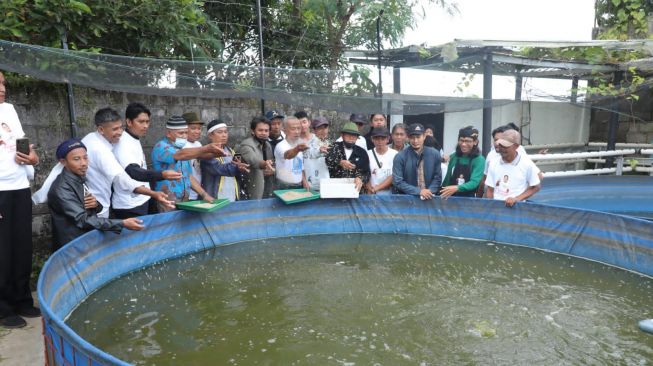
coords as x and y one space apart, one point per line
156 28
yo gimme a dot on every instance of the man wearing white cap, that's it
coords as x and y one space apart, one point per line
514 177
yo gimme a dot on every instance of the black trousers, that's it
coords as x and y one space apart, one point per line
127 213
15 250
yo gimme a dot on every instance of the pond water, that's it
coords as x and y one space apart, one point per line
355 299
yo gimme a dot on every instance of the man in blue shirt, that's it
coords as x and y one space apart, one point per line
416 169
168 154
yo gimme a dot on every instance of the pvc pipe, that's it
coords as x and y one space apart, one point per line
646 152
576 173
554 146
622 145
566 161
644 169
583 155
646 325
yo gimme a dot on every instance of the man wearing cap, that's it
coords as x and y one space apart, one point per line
169 154
194 134
513 177
466 165
381 158
315 166
15 220
289 157
257 152
276 134
104 171
73 207
377 120
130 155
359 120
345 159
416 169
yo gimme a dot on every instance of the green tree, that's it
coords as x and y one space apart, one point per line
622 19
156 28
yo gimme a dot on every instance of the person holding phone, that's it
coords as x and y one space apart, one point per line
257 152
73 207
15 219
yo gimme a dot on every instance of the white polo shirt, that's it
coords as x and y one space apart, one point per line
511 179
105 171
288 171
13 176
129 151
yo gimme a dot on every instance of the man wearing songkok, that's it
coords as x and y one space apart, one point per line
73 207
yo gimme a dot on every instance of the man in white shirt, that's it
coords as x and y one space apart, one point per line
104 170
15 220
289 157
129 153
315 167
193 140
513 177
381 158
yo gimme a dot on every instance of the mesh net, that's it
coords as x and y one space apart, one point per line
336 90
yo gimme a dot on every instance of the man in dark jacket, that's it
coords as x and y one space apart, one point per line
416 169
345 159
74 210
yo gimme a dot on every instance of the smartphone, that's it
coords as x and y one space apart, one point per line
22 145
238 157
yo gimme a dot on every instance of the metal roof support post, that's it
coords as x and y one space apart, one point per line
396 80
614 120
487 102
260 50
71 96
574 89
519 80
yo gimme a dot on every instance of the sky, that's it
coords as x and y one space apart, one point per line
561 20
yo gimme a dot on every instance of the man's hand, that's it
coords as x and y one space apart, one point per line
133 224
448 191
324 149
425 194
171 175
510 201
27 159
302 147
369 188
207 197
90 202
268 169
358 183
243 167
213 149
346 164
163 199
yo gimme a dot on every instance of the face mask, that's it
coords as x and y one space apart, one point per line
348 145
180 142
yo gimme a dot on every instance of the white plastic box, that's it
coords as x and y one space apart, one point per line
338 188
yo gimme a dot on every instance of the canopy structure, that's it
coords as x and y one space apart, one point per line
501 58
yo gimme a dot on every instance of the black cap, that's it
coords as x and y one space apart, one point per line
380 131
468 132
358 118
415 129
270 115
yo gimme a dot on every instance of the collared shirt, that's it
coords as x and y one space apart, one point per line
289 171
510 179
163 159
104 170
195 167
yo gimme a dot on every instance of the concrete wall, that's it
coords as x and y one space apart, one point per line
43 112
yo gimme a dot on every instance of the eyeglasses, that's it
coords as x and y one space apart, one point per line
466 141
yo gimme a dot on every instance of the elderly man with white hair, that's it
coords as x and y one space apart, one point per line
289 157
513 177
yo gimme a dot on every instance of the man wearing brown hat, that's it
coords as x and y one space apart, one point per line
514 177
345 159
194 133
